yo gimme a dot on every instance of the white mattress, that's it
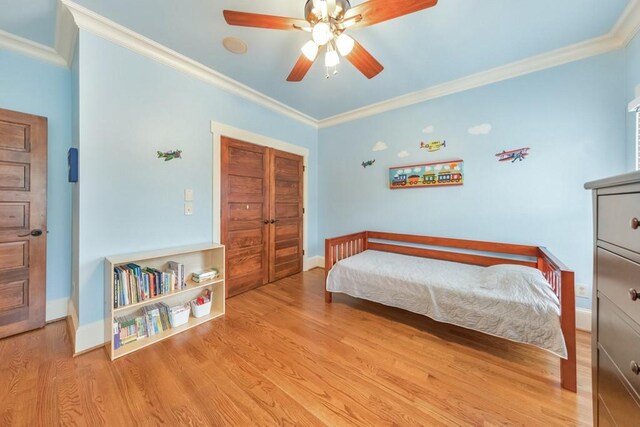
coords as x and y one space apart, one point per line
508 301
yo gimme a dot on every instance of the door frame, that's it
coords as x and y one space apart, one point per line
219 130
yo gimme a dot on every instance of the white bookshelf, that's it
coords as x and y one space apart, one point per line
195 258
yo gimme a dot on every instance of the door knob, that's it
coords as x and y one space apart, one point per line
266 221
273 221
34 233
633 294
635 368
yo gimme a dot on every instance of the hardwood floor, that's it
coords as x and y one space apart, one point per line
281 356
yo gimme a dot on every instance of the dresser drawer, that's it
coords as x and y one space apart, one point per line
620 340
615 214
616 276
622 406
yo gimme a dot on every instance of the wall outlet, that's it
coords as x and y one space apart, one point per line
188 209
582 291
188 195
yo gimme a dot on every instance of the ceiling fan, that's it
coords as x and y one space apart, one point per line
327 21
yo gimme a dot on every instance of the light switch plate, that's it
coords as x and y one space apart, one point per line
188 195
188 208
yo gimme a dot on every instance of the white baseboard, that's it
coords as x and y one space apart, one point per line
583 319
86 336
57 309
90 336
313 262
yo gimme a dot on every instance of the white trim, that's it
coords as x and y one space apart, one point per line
66 34
27 47
583 319
90 336
57 309
628 25
314 262
530 65
221 129
86 336
92 22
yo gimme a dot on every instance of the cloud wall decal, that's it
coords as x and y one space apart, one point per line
483 129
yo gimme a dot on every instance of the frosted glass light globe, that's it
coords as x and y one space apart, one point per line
321 33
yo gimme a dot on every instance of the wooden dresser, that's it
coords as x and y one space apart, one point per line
616 301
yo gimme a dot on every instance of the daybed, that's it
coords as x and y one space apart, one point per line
518 292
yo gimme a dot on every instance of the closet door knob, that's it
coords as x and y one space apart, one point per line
266 221
635 368
633 294
635 223
273 221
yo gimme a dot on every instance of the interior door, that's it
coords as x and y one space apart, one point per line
23 221
286 218
244 183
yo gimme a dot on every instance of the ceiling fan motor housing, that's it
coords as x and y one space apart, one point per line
341 8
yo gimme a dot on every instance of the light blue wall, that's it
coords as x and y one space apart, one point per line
632 75
571 118
130 107
35 87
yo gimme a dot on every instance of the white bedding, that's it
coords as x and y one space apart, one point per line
508 301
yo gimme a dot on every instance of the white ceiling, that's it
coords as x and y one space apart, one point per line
454 39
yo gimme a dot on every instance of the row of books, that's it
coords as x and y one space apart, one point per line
133 283
149 321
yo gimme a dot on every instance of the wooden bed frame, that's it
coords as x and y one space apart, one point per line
556 273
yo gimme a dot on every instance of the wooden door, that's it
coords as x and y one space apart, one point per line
244 184
23 221
286 208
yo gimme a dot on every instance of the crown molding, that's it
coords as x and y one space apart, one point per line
92 22
530 65
66 34
628 25
619 37
30 48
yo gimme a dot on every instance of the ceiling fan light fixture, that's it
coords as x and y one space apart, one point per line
344 44
310 50
331 58
321 33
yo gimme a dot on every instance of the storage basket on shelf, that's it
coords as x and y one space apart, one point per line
201 306
179 315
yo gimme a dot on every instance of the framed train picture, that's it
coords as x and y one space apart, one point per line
427 175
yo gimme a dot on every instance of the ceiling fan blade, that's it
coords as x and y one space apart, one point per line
376 11
364 61
245 19
300 69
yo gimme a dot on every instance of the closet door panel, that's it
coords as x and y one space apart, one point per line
245 208
286 205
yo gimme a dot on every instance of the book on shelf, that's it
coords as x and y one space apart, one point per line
133 284
205 275
178 270
151 320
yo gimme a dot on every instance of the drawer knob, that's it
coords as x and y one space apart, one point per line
633 294
635 368
635 223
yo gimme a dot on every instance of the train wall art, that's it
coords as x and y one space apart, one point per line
427 175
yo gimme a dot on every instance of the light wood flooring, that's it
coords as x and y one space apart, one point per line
281 356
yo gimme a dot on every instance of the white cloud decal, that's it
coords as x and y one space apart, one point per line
403 153
380 146
483 129
438 167
417 170
429 129
407 171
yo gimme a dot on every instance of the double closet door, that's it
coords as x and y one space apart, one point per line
262 211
